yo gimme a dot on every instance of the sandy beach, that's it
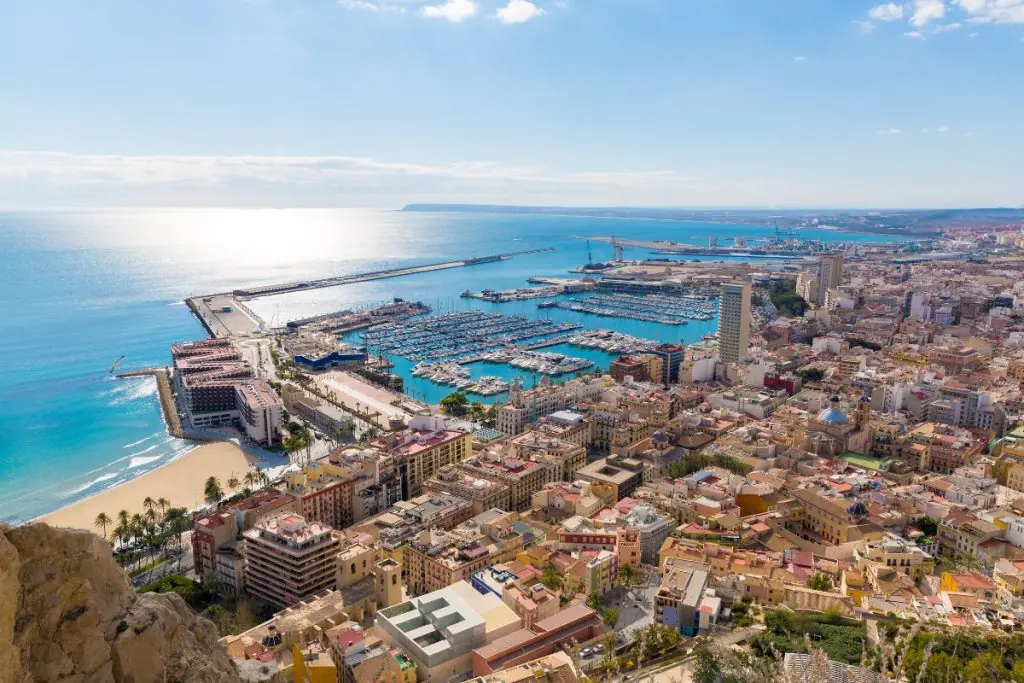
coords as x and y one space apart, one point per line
180 481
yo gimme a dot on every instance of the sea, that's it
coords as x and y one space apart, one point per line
80 289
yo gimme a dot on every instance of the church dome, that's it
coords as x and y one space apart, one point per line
833 415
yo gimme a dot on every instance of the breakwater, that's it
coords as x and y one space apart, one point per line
166 394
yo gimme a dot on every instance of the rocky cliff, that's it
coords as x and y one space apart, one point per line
68 614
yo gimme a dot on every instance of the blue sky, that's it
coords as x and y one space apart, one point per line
582 102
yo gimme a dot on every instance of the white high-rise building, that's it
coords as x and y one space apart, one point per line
830 275
734 321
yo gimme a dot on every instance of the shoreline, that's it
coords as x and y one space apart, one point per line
180 480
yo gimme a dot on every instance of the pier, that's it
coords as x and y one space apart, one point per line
269 290
166 393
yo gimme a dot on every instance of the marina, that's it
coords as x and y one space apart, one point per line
453 336
668 310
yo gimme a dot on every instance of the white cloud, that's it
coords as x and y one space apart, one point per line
968 134
372 6
942 129
887 12
973 35
924 131
452 10
60 168
865 26
914 34
890 131
993 11
799 58
945 28
519 12
927 10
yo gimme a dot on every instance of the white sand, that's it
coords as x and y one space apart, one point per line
181 481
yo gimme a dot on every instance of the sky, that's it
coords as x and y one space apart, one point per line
796 103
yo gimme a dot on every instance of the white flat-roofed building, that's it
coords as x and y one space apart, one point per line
260 410
440 630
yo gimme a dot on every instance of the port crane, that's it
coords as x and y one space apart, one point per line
618 250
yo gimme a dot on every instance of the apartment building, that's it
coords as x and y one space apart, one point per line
954 358
485 494
892 554
561 499
734 321
653 528
422 449
565 457
678 601
221 530
946 447
288 559
522 477
567 425
436 558
344 488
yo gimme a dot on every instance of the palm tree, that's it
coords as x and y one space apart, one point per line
149 504
212 490
102 521
122 518
250 478
627 575
120 534
164 506
551 578
233 482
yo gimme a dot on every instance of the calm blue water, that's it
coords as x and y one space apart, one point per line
79 289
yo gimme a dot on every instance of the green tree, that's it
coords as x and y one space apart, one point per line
611 617
595 601
987 667
820 582
454 404
164 505
551 578
926 525
705 667
212 490
811 374
1018 671
627 575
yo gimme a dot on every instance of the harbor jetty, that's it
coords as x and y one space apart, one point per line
268 290
166 394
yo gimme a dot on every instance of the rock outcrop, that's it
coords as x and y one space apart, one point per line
68 614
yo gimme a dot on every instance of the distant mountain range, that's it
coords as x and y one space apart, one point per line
918 221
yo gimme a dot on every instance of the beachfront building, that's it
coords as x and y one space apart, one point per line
216 537
288 559
217 389
260 411
423 448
